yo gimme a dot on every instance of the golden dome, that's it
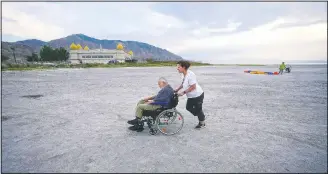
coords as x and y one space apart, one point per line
73 46
119 46
79 46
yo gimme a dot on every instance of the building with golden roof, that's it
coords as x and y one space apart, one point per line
79 55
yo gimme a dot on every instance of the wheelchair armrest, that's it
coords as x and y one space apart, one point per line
159 103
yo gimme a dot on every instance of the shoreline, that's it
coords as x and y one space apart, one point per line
47 67
36 67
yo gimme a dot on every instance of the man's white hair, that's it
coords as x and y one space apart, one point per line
162 79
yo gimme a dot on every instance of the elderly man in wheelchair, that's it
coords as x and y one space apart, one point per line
154 105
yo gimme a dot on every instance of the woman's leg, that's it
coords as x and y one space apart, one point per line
195 106
200 113
191 106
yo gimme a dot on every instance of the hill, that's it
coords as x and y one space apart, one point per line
21 51
141 50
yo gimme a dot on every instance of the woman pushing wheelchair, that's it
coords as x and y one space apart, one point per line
193 91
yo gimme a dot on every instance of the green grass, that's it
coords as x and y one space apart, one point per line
26 69
29 67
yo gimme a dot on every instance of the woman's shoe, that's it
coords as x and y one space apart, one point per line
200 125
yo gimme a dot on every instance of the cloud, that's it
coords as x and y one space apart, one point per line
263 43
91 18
209 31
11 38
23 25
206 31
290 35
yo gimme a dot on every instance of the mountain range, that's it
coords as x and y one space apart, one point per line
140 50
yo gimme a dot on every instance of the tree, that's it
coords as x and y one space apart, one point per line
62 54
150 60
78 47
73 46
86 48
13 49
47 53
33 58
119 46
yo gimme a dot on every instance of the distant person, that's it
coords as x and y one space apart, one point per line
288 68
152 103
282 68
193 91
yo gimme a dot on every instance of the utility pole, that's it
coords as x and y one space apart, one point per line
13 49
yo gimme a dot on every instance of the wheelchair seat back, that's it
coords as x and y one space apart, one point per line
174 101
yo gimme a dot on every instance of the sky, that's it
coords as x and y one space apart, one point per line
213 32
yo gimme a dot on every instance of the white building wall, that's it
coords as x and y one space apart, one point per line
87 56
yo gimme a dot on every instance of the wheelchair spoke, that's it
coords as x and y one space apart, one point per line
173 117
167 122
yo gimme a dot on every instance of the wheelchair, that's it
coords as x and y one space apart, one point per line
288 69
164 116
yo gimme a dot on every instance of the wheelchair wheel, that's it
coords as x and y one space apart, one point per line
153 131
169 122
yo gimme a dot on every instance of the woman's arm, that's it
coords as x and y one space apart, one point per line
191 88
192 82
180 87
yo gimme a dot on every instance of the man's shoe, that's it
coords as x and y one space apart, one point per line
133 122
140 129
137 128
200 125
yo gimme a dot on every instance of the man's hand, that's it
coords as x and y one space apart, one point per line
148 98
181 94
149 101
